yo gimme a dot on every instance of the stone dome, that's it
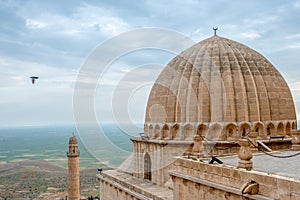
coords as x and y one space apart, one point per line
221 89
73 140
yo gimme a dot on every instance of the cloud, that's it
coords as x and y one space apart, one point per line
252 35
16 73
35 24
297 4
52 38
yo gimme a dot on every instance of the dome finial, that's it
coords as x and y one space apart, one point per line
215 30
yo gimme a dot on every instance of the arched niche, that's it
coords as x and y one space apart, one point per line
157 132
288 130
146 130
176 131
231 132
202 130
280 129
188 131
294 126
147 167
259 128
270 129
244 129
166 132
214 132
151 131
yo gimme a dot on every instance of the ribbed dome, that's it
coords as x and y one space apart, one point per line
73 140
219 87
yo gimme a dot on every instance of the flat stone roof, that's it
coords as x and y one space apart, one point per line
288 167
139 186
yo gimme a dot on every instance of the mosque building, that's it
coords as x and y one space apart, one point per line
217 100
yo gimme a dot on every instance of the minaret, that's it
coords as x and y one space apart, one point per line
73 169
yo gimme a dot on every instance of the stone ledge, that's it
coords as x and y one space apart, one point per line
217 186
139 188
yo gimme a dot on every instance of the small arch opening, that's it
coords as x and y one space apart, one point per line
294 126
166 132
259 129
147 167
231 132
151 132
175 131
270 129
188 131
280 129
288 129
202 130
157 132
245 129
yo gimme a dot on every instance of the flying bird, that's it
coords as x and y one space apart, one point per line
33 78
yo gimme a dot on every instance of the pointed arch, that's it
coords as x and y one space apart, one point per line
202 130
175 131
280 129
259 128
294 126
157 132
146 130
147 167
244 129
231 132
188 131
151 131
214 132
166 132
270 129
288 130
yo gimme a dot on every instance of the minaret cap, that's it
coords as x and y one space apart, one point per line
73 139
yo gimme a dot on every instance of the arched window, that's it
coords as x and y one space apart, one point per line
288 129
294 125
157 132
245 129
151 131
188 131
202 130
280 129
270 129
175 131
147 167
166 132
259 128
231 132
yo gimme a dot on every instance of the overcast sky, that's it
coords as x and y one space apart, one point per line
51 39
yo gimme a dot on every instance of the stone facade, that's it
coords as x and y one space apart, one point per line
200 180
161 154
220 89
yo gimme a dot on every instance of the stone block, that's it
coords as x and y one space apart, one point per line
295 196
270 181
295 187
235 174
283 186
226 172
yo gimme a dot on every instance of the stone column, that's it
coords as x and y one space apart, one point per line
296 140
198 147
245 154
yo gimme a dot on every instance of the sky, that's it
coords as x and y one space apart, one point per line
52 39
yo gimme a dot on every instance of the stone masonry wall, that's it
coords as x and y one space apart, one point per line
199 180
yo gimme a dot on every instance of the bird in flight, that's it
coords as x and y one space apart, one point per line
33 78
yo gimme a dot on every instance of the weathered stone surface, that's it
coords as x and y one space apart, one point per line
220 80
